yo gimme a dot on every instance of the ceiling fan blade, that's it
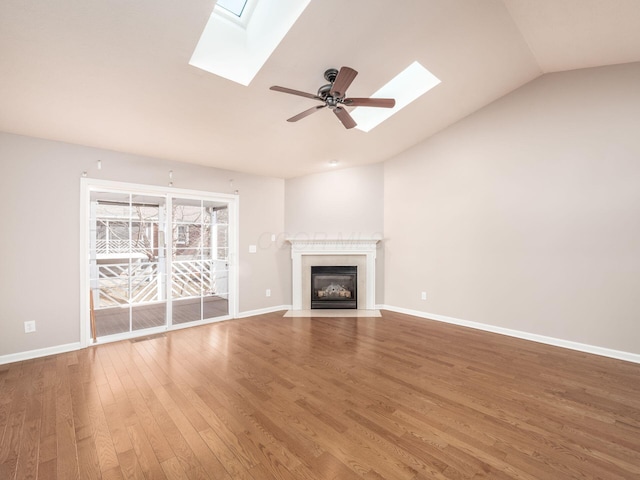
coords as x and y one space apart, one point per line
370 102
344 117
342 81
306 113
295 92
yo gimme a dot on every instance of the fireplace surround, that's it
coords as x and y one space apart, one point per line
306 253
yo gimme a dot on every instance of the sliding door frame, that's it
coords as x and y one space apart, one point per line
89 185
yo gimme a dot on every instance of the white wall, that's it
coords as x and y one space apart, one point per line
338 202
346 203
526 215
39 244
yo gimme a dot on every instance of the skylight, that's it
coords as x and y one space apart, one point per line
237 49
234 6
407 86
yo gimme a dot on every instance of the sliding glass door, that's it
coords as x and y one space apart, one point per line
199 260
127 262
156 260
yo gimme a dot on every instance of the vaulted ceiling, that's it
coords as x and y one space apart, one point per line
115 74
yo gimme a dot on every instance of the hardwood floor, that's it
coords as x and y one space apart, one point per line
270 397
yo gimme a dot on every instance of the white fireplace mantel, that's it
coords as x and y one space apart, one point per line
333 247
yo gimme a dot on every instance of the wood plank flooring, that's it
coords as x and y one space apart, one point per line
269 397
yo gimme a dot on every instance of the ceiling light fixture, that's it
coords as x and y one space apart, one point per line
407 86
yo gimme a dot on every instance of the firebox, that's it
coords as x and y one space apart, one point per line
334 287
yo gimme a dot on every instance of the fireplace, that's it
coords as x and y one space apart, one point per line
306 253
334 287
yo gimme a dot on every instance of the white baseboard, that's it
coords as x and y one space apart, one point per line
557 342
605 352
42 352
262 311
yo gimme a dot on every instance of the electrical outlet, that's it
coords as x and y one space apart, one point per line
253 249
30 327
268 293
424 295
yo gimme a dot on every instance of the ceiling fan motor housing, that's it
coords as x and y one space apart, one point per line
330 75
324 90
329 100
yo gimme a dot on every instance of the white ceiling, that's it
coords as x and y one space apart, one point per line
114 74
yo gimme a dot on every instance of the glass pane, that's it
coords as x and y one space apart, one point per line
182 254
187 310
112 320
148 316
187 211
222 215
109 205
112 283
144 282
115 243
215 306
186 278
110 287
233 6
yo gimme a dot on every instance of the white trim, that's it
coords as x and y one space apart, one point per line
83 251
112 185
534 337
198 323
41 352
233 258
118 337
605 352
263 311
168 240
71 347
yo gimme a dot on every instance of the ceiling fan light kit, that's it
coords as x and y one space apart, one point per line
334 96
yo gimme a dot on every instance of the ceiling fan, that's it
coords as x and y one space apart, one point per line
333 96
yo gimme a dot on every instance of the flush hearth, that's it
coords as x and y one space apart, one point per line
334 287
